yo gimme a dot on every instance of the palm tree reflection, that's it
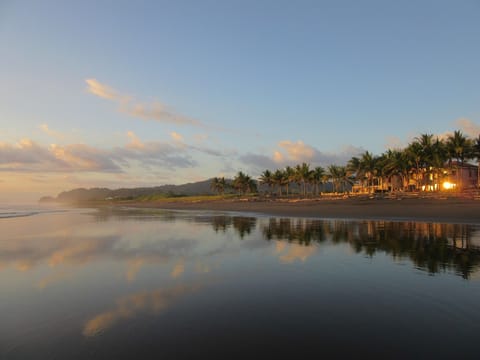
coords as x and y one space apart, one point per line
431 247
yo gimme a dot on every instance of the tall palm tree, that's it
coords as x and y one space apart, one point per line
337 174
303 175
395 163
476 154
354 167
427 153
289 176
278 179
251 185
368 167
459 147
266 178
414 156
317 176
438 160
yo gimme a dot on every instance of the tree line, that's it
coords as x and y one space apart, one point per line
423 164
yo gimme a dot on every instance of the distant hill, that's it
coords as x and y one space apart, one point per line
96 194
196 188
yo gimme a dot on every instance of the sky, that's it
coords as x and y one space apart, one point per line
144 93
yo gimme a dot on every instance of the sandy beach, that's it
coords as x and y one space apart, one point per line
452 210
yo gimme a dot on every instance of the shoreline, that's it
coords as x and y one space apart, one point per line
444 210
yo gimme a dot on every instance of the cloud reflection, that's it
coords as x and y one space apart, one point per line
148 302
289 253
198 242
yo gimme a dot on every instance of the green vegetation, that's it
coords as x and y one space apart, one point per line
184 198
427 163
424 164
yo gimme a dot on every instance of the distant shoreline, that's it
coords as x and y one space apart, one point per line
448 210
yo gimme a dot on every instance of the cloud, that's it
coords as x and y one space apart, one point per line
178 140
52 133
278 157
154 110
295 151
292 153
101 90
84 157
29 156
468 127
25 151
257 162
394 142
176 136
153 153
135 142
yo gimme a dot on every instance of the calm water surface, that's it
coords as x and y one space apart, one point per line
173 285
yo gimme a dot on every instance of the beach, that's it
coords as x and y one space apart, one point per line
434 209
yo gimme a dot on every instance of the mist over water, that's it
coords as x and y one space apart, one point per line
115 283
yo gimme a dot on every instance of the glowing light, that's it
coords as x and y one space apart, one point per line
448 185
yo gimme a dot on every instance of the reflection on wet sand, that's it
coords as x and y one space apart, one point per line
431 247
184 239
112 279
290 252
127 307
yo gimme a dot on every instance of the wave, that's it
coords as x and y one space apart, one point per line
8 213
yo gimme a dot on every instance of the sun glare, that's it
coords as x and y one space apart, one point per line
448 185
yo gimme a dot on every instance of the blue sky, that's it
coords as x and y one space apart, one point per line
129 93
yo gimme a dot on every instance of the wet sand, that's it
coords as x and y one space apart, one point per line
451 210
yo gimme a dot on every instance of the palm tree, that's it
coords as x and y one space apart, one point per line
219 185
289 176
354 167
278 179
303 174
317 177
414 156
251 185
267 178
334 175
459 147
426 157
367 166
244 183
395 163
438 159
476 154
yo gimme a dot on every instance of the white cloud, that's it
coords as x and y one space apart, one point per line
135 142
102 90
152 153
81 157
292 153
127 104
29 156
295 151
468 127
176 136
52 133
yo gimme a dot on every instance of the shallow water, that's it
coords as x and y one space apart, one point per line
173 285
